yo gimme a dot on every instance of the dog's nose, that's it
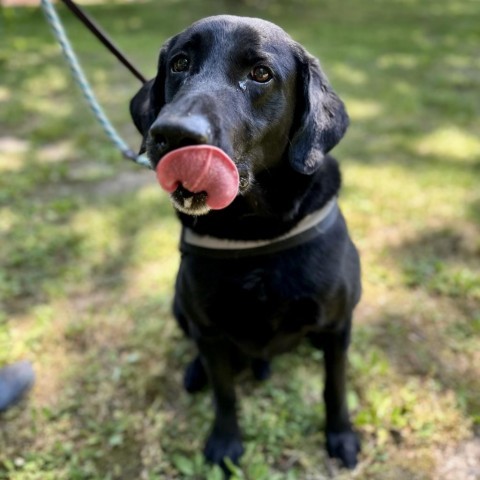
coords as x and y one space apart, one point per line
175 132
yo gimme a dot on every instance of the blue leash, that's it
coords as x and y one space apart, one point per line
79 76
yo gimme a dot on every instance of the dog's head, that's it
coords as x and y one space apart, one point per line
245 86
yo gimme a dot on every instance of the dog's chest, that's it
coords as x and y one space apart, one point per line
265 309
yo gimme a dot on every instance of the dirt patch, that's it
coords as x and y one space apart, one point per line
461 462
123 182
19 3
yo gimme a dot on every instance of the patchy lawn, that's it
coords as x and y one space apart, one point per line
89 255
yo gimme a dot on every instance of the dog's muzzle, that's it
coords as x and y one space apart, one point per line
199 178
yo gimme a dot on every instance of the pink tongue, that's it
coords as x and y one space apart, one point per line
200 168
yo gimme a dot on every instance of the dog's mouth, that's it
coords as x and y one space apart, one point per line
189 202
199 178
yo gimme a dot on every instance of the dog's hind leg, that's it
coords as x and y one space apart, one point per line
180 317
261 369
195 377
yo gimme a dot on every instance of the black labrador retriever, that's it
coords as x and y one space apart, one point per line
277 264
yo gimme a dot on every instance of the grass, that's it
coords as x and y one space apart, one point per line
89 255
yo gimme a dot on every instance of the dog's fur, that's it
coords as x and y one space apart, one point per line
278 133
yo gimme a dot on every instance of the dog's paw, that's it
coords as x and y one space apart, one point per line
220 447
261 369
195 378
345 446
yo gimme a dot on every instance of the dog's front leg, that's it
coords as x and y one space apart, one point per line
342 441
225 439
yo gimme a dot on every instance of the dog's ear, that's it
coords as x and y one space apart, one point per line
142 111
149 100
320 117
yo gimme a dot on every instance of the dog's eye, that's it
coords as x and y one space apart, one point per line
261 74
180 64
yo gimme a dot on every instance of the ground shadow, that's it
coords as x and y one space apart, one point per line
440 338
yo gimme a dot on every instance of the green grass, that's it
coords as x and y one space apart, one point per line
89 255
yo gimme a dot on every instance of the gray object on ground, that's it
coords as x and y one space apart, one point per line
15 381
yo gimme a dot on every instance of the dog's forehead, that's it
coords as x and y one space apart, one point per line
239 31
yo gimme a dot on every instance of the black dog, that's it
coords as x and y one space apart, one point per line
277 265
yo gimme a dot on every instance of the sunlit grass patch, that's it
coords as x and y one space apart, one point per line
450 143
413 411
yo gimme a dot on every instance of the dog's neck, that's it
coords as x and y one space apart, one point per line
310 227
276 203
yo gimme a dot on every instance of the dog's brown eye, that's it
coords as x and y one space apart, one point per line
261 74
180 64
